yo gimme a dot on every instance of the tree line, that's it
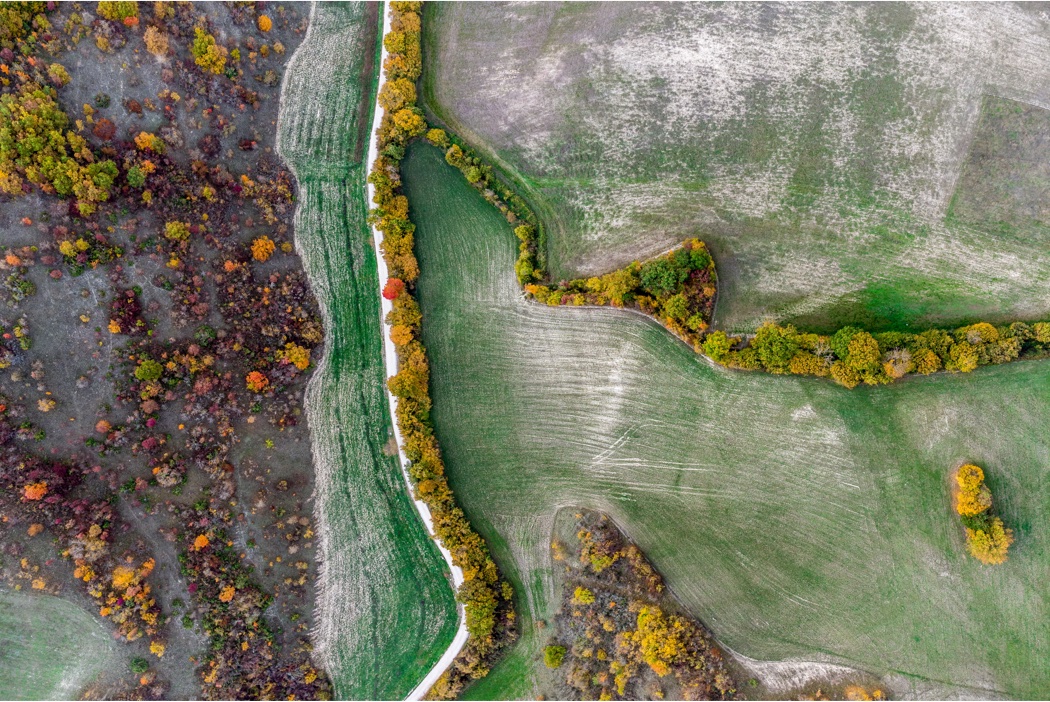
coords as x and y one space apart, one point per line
487 597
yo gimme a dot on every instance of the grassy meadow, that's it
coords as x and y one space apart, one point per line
50 649
386 608
818 149
797 519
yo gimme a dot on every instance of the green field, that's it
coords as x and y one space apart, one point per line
50 649
386 611
816 148
794 517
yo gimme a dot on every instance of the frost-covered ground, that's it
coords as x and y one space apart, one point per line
817 147
385 607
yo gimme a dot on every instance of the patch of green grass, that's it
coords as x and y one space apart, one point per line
50 649
793 517
386 609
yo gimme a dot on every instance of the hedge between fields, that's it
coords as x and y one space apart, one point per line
850 357
487 598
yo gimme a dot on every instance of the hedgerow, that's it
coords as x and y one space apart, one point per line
486 596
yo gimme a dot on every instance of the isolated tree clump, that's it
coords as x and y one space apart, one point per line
987 539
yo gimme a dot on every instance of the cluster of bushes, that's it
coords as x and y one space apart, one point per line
486 597
616 637
986 538
42 493
532 251
677 288
852 356
242 662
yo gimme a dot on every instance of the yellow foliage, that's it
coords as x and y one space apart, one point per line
296 355
262 248
973 496
990 545
157 649
123 577
227 593
265 23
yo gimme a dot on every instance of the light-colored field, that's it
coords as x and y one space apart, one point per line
50 649
386 609
797 519
816 147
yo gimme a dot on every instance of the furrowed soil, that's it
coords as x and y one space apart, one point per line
816 149
796 519
386 610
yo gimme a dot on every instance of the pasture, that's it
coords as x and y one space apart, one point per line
797 519
817 149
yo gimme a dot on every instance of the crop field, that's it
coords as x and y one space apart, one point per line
386 608
797 519
818 149
50 649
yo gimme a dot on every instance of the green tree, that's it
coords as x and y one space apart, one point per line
776 346
553 656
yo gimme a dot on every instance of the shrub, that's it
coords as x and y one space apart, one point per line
156 41
583 596
117 11
987 539
775 346
265 23
553 656
990 544
138 665
149 370
256 381
973 496
262 248
206 53
177 231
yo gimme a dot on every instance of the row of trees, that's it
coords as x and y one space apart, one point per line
486 597
532 249
677 288
852 356
987 539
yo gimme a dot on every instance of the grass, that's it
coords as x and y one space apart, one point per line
815 151
386 608
794 517
50 649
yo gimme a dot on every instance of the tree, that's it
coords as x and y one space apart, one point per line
862 352
149 370
973 496
776 346
265 23
262 248
36 146
206 53
990 544
117 11
156 42
553 656
409 122
717 345
397 94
